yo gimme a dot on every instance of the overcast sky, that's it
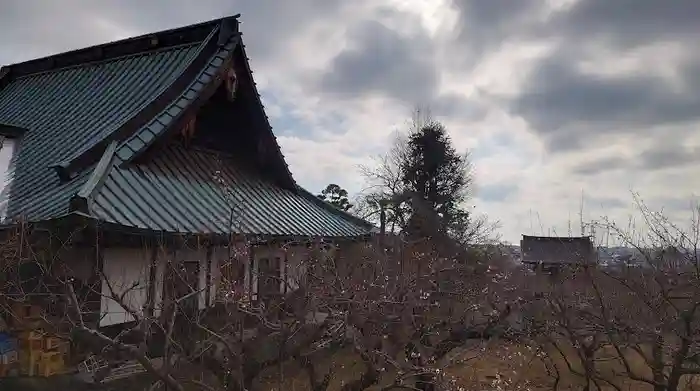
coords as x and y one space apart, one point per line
552 97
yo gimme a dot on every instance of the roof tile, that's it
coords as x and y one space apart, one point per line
178 191
68 111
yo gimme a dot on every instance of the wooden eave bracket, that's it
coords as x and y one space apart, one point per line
12 131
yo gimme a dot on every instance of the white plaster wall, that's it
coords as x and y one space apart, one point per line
8 147
127 271
297 262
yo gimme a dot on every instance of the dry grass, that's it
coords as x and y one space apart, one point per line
480 367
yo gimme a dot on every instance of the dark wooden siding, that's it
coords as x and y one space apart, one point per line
568 250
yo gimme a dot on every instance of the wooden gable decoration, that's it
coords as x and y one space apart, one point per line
188 129
231 82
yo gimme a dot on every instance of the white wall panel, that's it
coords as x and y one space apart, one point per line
127 271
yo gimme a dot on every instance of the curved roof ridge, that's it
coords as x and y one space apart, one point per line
197 90
67 167
119 48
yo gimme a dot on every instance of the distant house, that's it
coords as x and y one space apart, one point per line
157 151
553 252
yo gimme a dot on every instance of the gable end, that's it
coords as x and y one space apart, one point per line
68 168
174 115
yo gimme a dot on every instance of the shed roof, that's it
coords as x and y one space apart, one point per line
87 114
558 249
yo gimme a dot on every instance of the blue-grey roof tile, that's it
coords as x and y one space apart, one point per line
72 111
195 191
68 111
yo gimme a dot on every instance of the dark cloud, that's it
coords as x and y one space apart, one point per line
668 157
660 156
383 61
599 166
628 23
565 105
457 107
571 109
497 192
484 25
687 204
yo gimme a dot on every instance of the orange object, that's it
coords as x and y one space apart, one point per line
53 343
51 363
31 340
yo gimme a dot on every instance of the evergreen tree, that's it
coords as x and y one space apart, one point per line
438 174
336 196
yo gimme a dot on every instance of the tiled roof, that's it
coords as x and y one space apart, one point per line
67 111
192 191
116 107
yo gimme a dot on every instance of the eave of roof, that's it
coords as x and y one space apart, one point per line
268 126
198 191
331 208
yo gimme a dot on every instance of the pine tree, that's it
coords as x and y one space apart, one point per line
434 170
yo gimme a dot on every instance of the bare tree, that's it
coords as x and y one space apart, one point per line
633 324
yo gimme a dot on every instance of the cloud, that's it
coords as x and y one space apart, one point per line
607 203
381 60
484 25
597 166
629 23
497 192
668 156
553 98
569 107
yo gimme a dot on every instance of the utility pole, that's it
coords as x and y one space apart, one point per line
583 231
